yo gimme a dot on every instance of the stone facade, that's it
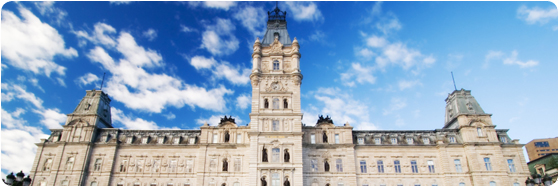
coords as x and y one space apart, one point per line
275 148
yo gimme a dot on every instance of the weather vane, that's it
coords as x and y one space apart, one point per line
453 81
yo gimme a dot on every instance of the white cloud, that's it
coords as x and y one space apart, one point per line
395 104
87 79
225 5
170 116
46 8
12 120
132 85
140 124
376 41
200 62
243 101
100 35
150 34
235 75
341 107
361 74
403 84
366 53
52 118
222 70
31 45
510 60
19 149
253 19
215 119
187 29
19 92
536 14
120 2
304 11
218 39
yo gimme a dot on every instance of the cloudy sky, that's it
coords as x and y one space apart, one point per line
176 65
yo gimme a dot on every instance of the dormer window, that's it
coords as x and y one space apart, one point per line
144 140
177 140
409 140
425 140
361 140
452 139
129 140
377 141
503 139
276 65
192 140
276 35
161 139
394 140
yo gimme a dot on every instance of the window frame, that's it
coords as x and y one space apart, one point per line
339 165
313 138
414 166
337 138
380 166
431 166
276 154
397 167
458 165
487 162
510 163
363 166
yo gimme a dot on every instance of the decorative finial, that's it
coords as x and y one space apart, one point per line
295 40
205 124
257 40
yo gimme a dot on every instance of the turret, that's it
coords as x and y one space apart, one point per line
461 102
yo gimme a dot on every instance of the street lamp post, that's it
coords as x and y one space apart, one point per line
538 180
17 180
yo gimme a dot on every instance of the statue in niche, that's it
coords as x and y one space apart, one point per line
225 164
227 136
263 180
285 104
326 166
264 155
286 156
266 104
324 137
286 182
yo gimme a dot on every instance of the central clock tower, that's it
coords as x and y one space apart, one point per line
275 118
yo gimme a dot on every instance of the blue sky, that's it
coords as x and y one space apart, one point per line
176 65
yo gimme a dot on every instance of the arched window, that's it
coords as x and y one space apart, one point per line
266 103
462 184
70 163
285 105
516 184
479 132
93 183
380 166
223 184
48 163
276 65
397 168
275 103
492 183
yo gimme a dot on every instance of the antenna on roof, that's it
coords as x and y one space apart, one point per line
453 80
102 81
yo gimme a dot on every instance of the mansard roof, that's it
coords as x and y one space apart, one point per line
277 25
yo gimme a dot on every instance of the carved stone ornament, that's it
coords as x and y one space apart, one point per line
265 67
287 66
277 47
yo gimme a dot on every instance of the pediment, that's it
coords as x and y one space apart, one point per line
227 124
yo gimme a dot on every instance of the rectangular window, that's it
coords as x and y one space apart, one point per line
64 183
380 166
394 140
313 139
458 165
275 155
337 138
431 166
237 164
173 166
189 166
409 140
361 140
425 140
213 165
377 141
340 184
275 125
239 138
123 165
161 140
397 168
276 65
487 164
414 166
314 165
98 163
275 179
155 167
129 140
479 132
70 163
503 139
215 138
512 169
452 139
363 166
144 140
48 163
140 166
339 166
177 140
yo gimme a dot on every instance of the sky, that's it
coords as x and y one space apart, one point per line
177 65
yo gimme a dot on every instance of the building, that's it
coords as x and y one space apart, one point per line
275 148
545 166
540 147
